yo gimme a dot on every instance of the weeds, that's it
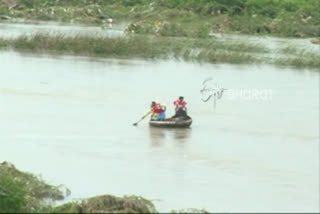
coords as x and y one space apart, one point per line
289 18
152 47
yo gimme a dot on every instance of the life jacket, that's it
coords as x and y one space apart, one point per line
180 104
157 108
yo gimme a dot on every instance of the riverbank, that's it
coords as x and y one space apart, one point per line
210 50
24 192
184 30
188 18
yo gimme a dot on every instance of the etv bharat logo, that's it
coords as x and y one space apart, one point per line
211 89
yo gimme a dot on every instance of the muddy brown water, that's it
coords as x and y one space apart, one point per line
70 120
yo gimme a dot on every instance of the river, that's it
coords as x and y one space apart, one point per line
69 119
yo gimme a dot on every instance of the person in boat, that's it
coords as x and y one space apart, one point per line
157 111
180 107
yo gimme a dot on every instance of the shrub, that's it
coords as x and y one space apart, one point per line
12 194
203 31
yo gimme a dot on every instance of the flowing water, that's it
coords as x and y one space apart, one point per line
70 120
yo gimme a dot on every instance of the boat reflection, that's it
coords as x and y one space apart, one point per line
159 136
181 134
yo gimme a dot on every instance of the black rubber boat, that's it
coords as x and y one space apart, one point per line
172 122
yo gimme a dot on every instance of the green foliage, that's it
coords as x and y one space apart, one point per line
131 3
301 58
30 3
156 47
3 10
172 29
203 31
21 191
300 62
210 50
71 207
12 194
290 18
17 196
141 28
3 43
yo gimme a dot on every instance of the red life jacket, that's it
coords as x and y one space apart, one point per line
180 104
157 108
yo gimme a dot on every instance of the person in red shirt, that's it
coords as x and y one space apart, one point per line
157 111
180 107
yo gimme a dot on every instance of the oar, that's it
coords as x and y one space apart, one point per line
136 123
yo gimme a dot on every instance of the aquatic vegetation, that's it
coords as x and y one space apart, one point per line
206 50
300 62
299 58
301 52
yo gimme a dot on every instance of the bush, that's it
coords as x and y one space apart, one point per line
203 31
12 194
22 191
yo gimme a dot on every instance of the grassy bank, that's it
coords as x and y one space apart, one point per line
177 29
23 192
300 62
208 50
192 18
299 58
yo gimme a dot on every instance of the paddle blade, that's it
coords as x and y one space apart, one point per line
136 123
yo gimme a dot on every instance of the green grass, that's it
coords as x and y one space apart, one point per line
208 50
292 50
300 62
192 18
300 58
